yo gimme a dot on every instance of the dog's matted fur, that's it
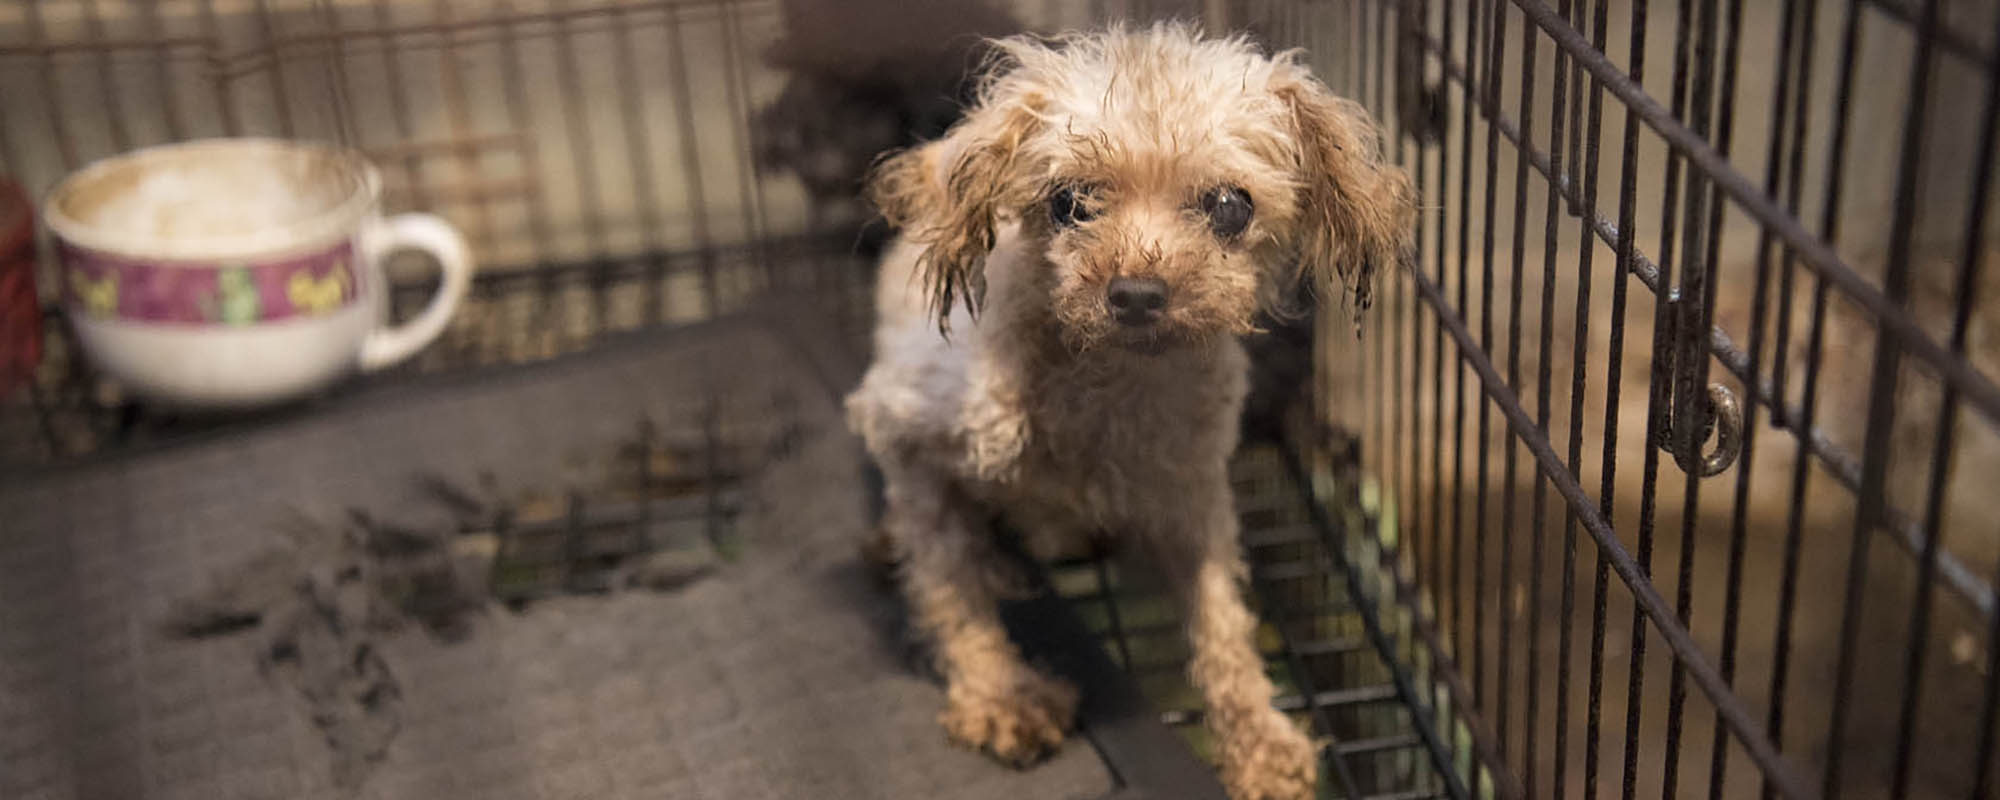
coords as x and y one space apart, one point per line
1057 340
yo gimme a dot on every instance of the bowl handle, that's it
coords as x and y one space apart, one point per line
388 346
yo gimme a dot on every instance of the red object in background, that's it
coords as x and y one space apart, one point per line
20 308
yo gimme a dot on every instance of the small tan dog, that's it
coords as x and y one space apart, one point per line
1057 339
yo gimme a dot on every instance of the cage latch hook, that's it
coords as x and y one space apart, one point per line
1722 420
1717 414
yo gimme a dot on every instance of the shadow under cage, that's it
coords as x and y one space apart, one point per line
1663 469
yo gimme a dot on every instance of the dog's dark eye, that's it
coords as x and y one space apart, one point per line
1228 209
1068 206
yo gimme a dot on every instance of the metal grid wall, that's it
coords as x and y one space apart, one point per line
1686 472
596 155
550 131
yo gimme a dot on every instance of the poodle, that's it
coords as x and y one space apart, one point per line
1057 341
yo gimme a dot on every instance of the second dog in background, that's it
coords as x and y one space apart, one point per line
863 77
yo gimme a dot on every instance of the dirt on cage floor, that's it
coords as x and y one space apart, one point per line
358 659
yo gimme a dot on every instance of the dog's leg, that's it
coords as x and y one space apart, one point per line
993 700
1264 756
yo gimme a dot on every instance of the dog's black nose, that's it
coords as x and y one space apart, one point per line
1136 301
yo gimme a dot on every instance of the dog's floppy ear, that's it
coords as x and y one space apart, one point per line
947 195
1358 211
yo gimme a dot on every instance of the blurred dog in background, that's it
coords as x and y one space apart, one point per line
862 78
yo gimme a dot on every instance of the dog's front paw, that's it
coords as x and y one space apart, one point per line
1269 758
1019 720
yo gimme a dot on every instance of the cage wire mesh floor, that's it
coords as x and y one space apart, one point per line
593 577
1333 640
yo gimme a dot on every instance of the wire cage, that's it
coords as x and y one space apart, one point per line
1696 319
1674 437
596 156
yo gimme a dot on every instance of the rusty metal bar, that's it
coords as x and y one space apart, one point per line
467 193
639 149
51 105
109 45
522 139
1645 597
1842 466
211 27
399 104
242 62
1979 391
162 69
459 117
280 97
755 219
690 157
343 89
452 146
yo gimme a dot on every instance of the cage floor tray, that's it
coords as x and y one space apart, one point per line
228 618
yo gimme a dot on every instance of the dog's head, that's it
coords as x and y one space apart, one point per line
1174 185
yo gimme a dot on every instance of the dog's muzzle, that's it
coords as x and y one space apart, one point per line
1136 302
